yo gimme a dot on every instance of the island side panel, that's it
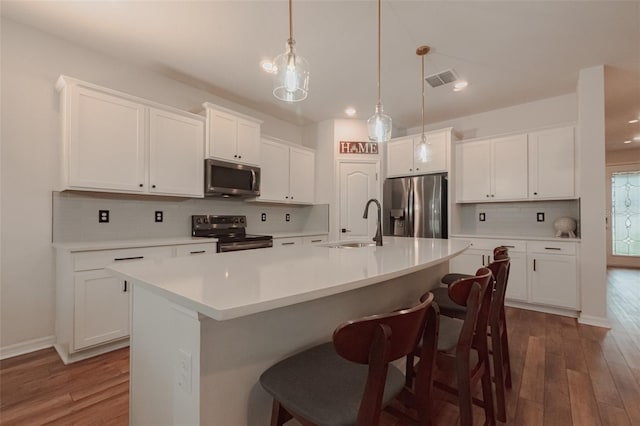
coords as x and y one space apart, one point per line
165 362
235 352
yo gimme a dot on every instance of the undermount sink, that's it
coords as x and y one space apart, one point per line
352 245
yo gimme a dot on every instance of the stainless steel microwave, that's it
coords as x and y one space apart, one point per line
223 179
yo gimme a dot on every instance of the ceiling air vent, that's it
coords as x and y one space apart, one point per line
442 78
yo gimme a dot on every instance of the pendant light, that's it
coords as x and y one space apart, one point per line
379 124
291 81
423 149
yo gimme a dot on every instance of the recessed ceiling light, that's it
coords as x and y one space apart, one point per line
626 142
351 111
460 85
636 138
268 66
634 121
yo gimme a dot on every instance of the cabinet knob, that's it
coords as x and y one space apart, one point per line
153 186
487 195
235 156
492 195
286 196
292 197
141 185
535 193
410 170
239 156
417 169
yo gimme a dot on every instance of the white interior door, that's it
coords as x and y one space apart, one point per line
623 235
358 183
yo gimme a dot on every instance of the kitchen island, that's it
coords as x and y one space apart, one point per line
205 327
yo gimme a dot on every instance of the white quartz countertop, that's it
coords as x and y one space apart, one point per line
520 237
223 286
297 234
118 244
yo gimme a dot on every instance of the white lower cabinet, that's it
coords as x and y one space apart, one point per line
93 306
101 308
314 239
289 241
541 273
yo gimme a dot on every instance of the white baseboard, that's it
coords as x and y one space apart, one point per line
26 347
595 321
69 358
545 309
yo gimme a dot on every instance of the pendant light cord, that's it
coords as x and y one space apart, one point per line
422 79
290 21
379 50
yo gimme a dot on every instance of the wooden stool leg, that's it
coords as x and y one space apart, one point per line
506 360
409 371
487 394
464 391
279 415
498 370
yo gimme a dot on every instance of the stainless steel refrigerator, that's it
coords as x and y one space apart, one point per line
415 206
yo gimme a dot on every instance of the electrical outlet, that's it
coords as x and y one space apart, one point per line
481 217
183 371
159 216
287 217
263 217
540 217
103 216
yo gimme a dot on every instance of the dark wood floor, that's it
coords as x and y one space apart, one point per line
564 374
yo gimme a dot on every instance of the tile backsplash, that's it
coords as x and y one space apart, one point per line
75 216
506 219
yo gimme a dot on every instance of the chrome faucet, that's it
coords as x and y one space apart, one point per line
378 237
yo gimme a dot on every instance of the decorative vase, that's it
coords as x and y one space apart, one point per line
565 225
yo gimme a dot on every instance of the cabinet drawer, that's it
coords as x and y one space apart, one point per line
490 244
99 259
552 247
287 242
194 249
314 239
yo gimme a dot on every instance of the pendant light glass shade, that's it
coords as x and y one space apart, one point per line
379 124
291 80
423 150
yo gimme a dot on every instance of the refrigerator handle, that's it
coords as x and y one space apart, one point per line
410 210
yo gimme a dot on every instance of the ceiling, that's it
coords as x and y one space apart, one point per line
510 52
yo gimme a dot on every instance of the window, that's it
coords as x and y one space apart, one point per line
625 213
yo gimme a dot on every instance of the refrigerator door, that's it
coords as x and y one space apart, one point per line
395 212
429 215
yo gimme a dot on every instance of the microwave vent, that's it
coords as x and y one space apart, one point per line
442 78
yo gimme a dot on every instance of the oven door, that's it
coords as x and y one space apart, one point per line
243 245
230 179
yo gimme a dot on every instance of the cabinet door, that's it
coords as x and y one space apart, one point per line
469 261
551 164
176 154
274 171
509 163
106 142
248 142
436 159
473 171
195 249
552 280
301 176
223 135
517 284
400 157
101 311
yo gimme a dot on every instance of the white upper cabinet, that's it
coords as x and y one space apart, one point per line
176 154
286 173
105 142
492 170
551 164
115 142
405 156
232 136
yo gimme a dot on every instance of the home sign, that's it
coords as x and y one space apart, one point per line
348 147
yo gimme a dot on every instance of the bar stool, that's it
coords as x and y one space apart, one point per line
498 253
461 350
324 385
497 332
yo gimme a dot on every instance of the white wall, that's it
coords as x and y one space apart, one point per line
591 139
516 118
31 63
